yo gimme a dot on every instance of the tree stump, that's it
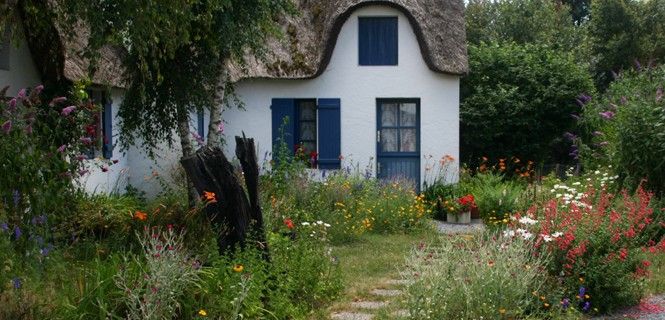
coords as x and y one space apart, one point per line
235 214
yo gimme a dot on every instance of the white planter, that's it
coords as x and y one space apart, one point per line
461 218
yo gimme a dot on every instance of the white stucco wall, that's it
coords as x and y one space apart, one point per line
22 71
358 87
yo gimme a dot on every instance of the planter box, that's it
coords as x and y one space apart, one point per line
461 218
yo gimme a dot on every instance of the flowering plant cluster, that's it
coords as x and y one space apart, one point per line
462 204
597 242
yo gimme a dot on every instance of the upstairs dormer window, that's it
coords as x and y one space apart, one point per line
377 41
4 50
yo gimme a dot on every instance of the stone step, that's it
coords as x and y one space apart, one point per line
401 313
372 305
351 316
386 292
399 282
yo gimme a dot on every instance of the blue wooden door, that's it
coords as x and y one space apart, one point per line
398 139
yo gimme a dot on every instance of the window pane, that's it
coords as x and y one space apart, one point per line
408 140
307 110
308 131
389 140
407 114
389 114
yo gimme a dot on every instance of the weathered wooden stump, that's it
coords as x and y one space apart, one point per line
235 214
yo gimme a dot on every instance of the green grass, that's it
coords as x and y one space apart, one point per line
656 282
369 263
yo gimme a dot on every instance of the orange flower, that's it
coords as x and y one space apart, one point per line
209 197
289 223
140 215
490 263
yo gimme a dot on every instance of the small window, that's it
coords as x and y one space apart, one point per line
377 37
4 50
306 130
99 130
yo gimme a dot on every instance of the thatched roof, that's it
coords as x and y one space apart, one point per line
310 37
308 42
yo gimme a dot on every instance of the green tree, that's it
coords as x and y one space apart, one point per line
175 57
519 100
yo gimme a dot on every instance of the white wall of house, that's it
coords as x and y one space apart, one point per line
358 87
22 71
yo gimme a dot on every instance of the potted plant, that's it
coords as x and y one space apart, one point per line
459 210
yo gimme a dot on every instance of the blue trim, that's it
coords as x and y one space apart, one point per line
200 119
107 125
283 109
398 161
377 41
330 133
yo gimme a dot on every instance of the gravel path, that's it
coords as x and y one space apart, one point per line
476 225
652 308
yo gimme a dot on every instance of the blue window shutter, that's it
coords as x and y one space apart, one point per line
200 123
377 41
107 120
281 109
330 133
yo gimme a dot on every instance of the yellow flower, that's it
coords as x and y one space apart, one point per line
502 311
238 268
547 305
203 313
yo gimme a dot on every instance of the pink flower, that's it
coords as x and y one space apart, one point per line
21 94
85 140
7 126
62 148
66 111
220 127
38 89
56 101
11 106
607 115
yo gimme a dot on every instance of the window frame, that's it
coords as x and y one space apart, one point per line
98 97
297 126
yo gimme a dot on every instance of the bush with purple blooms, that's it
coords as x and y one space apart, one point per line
43 145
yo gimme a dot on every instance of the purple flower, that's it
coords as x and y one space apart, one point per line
4 227
38 89
565 303
597 133
57 100
602 144
583 99
7 127
624 100
16 195
62 148
21 94
66 111
17 232
16 282
638 65
11 106
582 292
85 140
607 115
570 136
659 94
587 306
220 127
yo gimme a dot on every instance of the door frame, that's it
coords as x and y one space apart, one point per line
416 154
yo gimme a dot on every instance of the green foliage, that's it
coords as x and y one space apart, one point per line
518 101
484 277
543 22
175 54
625 128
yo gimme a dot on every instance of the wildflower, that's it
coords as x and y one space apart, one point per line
11 106
38 89
66 111
238 268
16 282
502 311
203 313
209 197
546 305
289 223
587 306
17 232
565 303
490 263
597 133
62 148
140 215
4 227
85 140
220 127
21 94
56 101
305 223
607 115
7 127
582 291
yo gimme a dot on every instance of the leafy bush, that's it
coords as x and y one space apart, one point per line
597 243
487 277
625 128
518 100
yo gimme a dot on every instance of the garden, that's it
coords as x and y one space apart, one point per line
562 137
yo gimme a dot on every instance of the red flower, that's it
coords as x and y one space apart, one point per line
289 223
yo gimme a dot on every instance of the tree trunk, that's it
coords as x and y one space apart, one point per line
214 132
233 212
187 151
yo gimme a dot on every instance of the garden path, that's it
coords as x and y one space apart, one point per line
652 308
383 302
